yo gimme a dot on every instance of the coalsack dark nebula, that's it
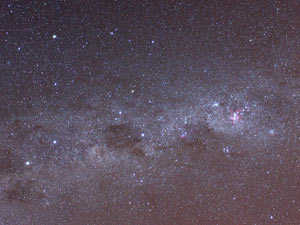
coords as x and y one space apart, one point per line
142 112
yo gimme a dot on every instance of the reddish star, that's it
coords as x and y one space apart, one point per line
235 116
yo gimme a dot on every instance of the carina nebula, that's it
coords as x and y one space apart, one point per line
154 113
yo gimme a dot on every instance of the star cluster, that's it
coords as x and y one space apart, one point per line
148 112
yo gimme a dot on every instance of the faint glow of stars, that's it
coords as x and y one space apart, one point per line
185 120
140 115
183 134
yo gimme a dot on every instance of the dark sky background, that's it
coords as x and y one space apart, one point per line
140 112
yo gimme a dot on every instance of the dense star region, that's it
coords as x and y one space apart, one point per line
149 112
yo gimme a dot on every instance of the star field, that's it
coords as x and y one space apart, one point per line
149 112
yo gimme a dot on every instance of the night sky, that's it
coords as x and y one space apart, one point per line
147 112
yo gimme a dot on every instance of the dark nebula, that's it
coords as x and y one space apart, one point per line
145 112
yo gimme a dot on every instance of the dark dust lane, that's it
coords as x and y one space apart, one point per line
148 112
